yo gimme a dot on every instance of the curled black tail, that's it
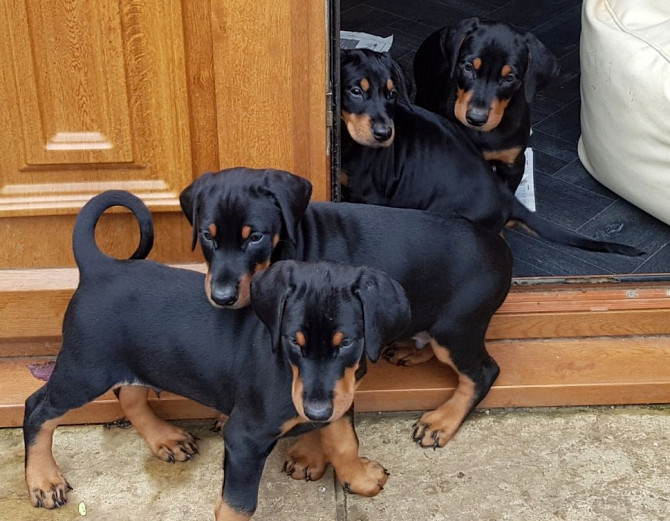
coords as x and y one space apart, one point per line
86 251
556 233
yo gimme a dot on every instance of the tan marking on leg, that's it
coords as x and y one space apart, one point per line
224 512
246 232
167 441
357 475
305 459
505 156
46 485
365 84
436 428
405 353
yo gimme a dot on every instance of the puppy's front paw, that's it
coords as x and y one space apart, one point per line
172 444
434 429
48 490
304 462
365 477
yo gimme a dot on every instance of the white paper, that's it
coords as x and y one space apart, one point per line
353 40
526 190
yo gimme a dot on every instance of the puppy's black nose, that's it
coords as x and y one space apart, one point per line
477 117
318 411
224 295
381 132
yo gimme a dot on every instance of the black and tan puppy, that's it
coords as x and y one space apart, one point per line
484 76
143 323
398 154
455 273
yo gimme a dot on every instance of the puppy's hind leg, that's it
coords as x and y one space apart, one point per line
476 373
167 441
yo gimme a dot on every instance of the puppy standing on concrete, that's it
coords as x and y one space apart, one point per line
484 76
143 323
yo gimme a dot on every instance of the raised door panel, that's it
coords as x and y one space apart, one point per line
95 97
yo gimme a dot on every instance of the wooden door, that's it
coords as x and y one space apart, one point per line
142 95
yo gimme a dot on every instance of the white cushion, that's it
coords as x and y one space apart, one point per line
625 88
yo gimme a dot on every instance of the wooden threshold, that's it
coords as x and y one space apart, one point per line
587 344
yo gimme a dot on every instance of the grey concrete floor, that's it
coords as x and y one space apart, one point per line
535 465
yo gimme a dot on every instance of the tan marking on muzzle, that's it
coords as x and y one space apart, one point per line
262 266
275 240
297 392
359 127
343 393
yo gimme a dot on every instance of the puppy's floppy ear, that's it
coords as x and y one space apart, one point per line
452 38
269 290
400 80
386 309
292 193
542 67
189 199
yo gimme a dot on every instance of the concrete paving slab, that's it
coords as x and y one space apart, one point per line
524 465
590 464
118 479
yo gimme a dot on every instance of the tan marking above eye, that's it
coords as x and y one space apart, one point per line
337 338
389 85
246 231
212 229
505 70
477 63
300 338
365 84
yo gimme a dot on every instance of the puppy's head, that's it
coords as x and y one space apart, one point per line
370 85
324 318
239 216
490 63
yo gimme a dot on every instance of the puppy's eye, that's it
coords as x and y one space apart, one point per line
468 67
206 235
346 342
256 237
356 91
509 78
392 94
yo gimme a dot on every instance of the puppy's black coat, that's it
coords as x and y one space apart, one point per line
143 323
455 273
421 160
484 75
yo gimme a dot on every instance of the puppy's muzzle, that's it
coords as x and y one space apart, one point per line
224 295
318 410
477 117
382 132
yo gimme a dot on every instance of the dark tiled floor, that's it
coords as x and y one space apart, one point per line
565 192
